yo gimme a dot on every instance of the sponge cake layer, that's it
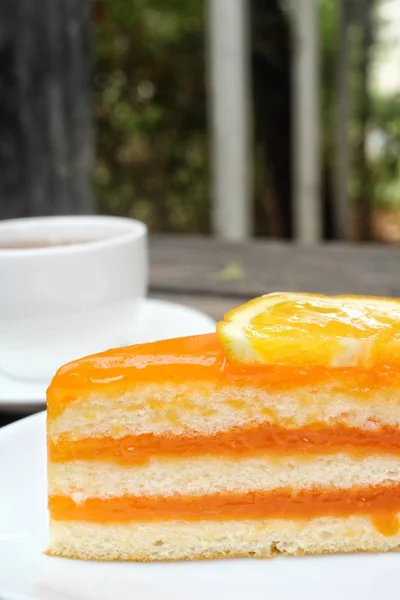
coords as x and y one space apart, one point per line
204 407
214 474
213 539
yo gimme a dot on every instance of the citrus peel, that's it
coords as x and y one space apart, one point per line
301 329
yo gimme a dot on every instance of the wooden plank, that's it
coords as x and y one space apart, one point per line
214 306
307 215
229 90
204 266
45 108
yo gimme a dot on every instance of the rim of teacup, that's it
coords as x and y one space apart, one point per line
122 230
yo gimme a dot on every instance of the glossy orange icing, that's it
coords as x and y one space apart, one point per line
134 450
199 358
380 503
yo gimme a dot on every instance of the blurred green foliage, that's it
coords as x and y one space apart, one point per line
384 150
150 112
152 156
328 24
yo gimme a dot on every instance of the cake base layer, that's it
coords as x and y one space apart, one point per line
212 539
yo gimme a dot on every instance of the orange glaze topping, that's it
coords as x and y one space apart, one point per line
198 358
381 503
134 450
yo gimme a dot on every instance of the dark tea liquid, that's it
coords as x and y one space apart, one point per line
35 244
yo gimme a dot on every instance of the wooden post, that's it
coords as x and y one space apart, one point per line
342 213
229 73
45 108
307 212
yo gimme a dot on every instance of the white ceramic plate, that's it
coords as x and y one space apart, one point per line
157 319
25 573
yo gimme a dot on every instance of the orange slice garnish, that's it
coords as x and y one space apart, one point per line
310 329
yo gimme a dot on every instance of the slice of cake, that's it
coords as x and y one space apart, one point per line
278 434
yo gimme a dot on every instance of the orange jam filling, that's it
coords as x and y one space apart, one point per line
134 450
200 358
380 503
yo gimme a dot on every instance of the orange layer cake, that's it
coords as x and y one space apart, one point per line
278 434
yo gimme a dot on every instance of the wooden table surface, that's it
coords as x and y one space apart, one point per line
214 276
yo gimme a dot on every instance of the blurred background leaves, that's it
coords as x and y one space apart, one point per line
150 112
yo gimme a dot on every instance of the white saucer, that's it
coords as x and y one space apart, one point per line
25 573
158 319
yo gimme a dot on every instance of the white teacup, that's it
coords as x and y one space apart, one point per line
69 286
